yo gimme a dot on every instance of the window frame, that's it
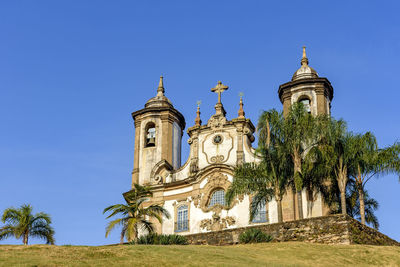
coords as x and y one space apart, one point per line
150 125
216 203
182 225
303 98
259 218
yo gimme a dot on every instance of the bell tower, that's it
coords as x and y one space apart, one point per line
158 136
306 86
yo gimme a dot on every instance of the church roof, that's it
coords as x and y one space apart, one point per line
305 71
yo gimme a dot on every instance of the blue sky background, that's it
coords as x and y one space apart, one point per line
71 73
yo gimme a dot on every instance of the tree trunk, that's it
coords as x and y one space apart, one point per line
25 239
279 204
362 204
298 182
343 201
342 182
121 241
310 202
300 204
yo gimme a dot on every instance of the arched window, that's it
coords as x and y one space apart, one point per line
306 103
217 197
150 135
182 220
261 213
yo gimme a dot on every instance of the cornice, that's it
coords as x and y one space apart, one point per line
326 85
178 116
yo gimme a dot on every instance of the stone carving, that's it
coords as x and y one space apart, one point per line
158 179
217 179
196 200
216 122
217 223
194 165
217 159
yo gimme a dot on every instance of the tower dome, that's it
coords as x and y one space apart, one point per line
307 87
160 100
305 71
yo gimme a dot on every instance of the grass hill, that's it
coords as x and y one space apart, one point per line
271 254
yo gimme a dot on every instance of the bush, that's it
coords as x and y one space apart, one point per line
254 236
149 239
155 239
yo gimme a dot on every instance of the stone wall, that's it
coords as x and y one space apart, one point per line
361 234
332 229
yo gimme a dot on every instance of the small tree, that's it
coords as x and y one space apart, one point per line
21 223
134 214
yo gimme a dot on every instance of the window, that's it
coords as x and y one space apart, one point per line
218 197
182 222
150 135
306 103
261 214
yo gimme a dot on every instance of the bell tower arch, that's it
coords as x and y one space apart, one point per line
158 135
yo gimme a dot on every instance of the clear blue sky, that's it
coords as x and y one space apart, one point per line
71 72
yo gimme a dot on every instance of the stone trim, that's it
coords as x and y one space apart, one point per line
215 181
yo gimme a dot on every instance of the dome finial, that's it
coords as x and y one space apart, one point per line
304 59
160 90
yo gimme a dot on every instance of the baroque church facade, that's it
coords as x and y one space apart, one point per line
194 192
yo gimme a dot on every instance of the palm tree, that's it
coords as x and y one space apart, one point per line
270 177
371 162
302 132
315 174
21 223
353 205
134 214
341 151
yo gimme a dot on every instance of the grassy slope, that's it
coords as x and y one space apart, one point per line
271 254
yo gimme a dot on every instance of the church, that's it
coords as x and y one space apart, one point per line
194 192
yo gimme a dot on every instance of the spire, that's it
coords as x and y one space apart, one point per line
160 90
304 59
197 121
241 111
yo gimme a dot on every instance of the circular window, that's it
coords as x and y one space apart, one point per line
217 139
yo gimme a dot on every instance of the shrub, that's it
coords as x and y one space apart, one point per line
254 236
155 239
149 239
172 240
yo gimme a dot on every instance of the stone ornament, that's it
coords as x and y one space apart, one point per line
217 223
214 155
216 122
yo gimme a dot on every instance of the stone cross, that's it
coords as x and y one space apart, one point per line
219 89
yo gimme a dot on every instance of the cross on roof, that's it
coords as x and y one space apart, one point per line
219 89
